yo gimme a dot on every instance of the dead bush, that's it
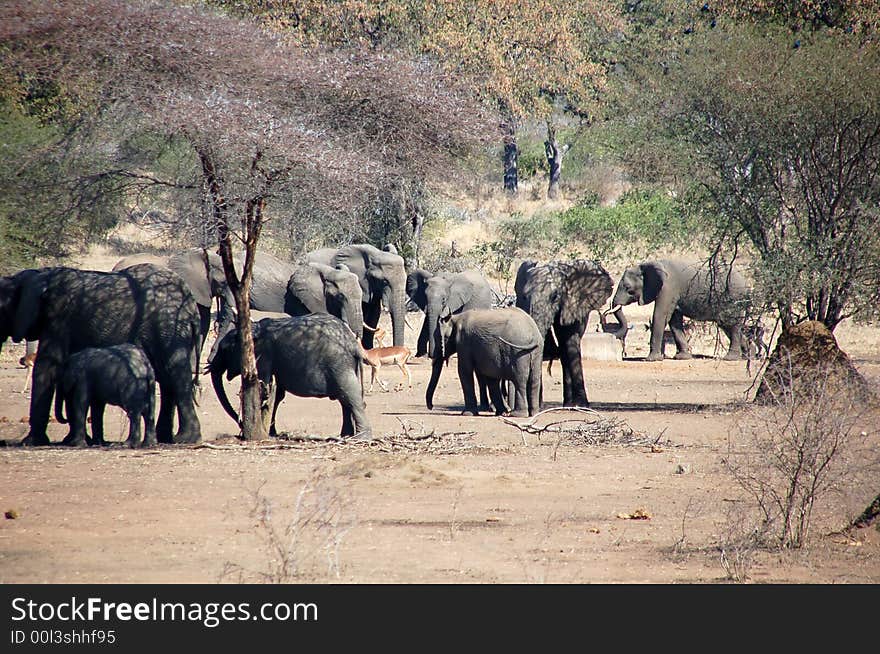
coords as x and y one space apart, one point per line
799 450
306 545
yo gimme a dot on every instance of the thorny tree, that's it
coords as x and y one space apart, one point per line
527 59
782 145
264 120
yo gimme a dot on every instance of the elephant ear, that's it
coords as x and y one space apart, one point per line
194 267
460 293
305 291
416 284
30 302
653 278
357 260
584 286
522 274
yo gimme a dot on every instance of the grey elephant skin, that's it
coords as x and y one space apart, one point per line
383 279
69 310
559 296
318 288
309 356
681 289
120 375
437 293
495 344
203 273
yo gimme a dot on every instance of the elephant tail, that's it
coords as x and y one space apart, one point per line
525 348
59 405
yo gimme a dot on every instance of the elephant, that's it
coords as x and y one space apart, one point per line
68 310
498 345
311 356
559 296
383 279
204 276
317 288
456 292
679 289
120 375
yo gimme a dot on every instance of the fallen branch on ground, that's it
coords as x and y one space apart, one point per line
588 428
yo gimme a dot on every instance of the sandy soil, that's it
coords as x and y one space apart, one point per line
500 508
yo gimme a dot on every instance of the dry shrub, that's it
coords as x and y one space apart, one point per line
799 449
304 546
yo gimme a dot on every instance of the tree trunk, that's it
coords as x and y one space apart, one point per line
418 223
253 427
554 161
511 152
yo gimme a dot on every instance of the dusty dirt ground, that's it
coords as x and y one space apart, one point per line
499 508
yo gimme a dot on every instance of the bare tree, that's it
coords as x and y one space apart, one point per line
264 120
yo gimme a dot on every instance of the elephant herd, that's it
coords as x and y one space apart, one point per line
111 337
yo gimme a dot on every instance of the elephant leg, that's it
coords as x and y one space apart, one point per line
734 335
279 396
509 393
659 319
77 410
533 388
97 408
354 420
179 383
494 388
165 421
466 377
574 392
149 416
520 403
483 383
676 326
134 429
424 337
347 422
43 389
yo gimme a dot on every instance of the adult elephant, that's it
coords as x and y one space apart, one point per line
68 310
559 296
437 293
309 356
203 273
318 288
500 345
679 289
382 278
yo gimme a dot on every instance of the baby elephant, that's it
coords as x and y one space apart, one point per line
119 375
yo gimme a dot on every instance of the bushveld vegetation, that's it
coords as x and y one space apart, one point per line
748 130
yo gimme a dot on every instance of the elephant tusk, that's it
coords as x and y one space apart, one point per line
372 329
406 322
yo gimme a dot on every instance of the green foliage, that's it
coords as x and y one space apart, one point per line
781 146
518 238
634 227
41 215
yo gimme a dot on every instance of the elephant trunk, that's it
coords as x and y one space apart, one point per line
621 319
621 297
395 300
217 381
432 315
353 315
436 369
